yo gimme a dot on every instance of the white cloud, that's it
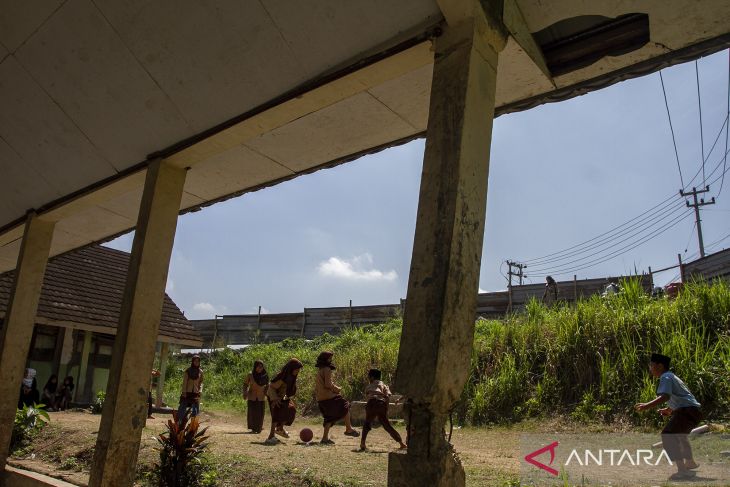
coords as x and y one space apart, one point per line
170 287
206 310
264 310
355 269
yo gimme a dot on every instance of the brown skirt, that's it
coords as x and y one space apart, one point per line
283 414
255 415
334 409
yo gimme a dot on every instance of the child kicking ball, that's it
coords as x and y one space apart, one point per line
684 415
377 395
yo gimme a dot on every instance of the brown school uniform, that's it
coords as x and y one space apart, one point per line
377 395
255 396
286 411
331 404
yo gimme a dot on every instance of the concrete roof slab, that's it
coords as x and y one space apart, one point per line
44 137
18 20
97 82
231 171
354 124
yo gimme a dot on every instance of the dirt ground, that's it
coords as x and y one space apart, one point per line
491 456
65 450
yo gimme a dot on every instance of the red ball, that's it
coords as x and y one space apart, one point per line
306 435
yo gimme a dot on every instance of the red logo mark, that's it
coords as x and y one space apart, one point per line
531 458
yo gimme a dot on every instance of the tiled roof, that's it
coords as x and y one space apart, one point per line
86 287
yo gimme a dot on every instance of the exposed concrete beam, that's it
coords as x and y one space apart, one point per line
515 23
125 409
17 330
503 16
438 324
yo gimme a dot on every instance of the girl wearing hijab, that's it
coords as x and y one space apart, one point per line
332 405
254 391
282 389
28 394
191 388
49 392
64 394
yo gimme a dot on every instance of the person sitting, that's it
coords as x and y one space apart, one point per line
49 392
64 394
29 395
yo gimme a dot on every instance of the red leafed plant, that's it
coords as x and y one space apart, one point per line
181 453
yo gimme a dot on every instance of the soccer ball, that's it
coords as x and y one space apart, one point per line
306 435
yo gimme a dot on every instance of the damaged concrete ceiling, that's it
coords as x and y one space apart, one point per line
250 93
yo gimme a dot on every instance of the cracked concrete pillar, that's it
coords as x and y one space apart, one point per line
17 330
125 408
438 324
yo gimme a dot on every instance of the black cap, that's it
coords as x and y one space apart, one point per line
375 374
658 358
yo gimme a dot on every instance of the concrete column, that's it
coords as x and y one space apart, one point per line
125 409
17 330
438 324
67 350
164 352
80 393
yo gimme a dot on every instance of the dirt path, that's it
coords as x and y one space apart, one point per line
65 451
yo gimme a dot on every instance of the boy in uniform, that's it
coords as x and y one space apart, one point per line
684 415
377 395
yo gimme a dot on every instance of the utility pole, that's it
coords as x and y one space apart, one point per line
696 205
519 273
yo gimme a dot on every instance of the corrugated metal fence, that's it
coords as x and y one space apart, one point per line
314 322
708 268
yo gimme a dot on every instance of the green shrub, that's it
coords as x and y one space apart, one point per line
28 421
98 405
590 358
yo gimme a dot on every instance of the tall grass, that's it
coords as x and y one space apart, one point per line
588 360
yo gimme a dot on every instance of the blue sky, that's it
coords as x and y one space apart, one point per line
560 174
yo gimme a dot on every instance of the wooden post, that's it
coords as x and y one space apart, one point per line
17 330
164 352
444 275
258 321
125 408
351 313
575 287
215 332
651 279
681 268
304 323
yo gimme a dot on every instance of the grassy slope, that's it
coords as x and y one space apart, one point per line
587 360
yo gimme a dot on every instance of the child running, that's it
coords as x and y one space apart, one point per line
684 412
377 395
282 389
254 391
332 405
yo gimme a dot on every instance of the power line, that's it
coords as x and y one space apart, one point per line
623 250
690 237
678 206
646 215
727 125
671 129
699 105
680 210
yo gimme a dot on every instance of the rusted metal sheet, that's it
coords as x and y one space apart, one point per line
710 267
314 322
